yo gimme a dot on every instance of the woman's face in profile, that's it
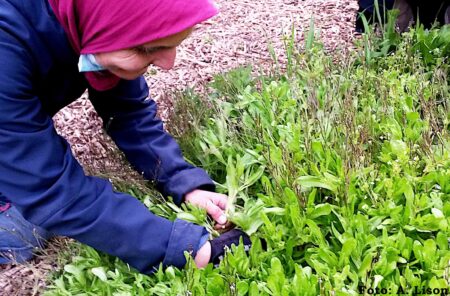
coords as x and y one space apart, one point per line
133 62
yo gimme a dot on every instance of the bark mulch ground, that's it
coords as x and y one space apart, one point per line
238 36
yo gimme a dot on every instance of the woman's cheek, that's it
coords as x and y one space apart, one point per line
127 75
131 71
135 65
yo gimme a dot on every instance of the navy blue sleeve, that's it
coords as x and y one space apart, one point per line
39 175
369 5
129 117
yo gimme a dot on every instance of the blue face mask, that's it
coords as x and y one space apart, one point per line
88 63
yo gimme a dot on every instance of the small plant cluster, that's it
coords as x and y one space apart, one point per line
340 168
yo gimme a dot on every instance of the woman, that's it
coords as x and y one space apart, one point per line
410 11
43 188
367 8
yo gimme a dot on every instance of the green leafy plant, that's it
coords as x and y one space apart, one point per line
340 169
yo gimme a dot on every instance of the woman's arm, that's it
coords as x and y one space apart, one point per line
129 117
39 175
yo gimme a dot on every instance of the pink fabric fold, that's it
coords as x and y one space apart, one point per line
94 26
4 207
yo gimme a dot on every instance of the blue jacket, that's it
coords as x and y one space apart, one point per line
40 176
369 5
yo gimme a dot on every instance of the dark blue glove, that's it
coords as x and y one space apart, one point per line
220 244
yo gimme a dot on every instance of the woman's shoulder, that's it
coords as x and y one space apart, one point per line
31 26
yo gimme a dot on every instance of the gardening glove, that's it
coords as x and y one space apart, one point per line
222 243
222 228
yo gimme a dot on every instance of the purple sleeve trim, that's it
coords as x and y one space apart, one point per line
4 207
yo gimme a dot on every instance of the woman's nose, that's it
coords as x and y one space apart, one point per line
165 59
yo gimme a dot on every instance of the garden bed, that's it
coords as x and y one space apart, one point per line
338 167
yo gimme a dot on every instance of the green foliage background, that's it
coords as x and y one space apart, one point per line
341 165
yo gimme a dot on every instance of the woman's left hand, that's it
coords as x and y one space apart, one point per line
214 203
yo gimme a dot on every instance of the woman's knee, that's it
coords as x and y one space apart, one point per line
19 239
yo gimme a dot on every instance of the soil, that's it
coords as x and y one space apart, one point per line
240 35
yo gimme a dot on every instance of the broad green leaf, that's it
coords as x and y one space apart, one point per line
242 287
437 213
314 181
320 210
77 272
253 290
100 273
347 248
366 264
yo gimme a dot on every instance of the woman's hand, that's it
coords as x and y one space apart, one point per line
203 255
214 203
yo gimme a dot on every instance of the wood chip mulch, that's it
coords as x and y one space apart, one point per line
238 36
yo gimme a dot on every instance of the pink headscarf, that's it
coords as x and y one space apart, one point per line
94 26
